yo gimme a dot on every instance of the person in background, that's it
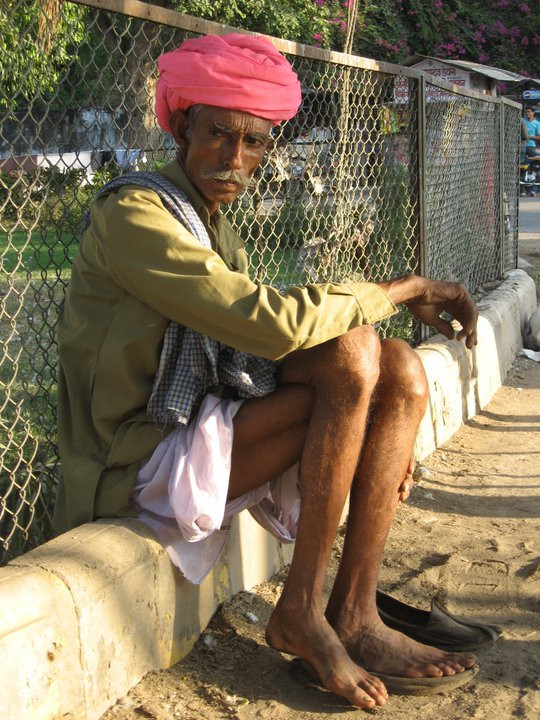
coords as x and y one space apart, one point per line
531 126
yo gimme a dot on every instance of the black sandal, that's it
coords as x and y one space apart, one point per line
437 627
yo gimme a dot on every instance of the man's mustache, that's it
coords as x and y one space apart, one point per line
233 176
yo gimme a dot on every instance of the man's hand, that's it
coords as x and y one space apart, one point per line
427 299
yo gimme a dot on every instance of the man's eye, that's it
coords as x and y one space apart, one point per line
255 142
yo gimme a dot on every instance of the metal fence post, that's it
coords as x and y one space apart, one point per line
421 331
502 244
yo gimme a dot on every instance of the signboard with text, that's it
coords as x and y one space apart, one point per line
438 70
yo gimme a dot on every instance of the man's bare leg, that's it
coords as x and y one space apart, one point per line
340 377
320 417
398 406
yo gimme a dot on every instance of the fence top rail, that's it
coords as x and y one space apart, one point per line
511 103
171 18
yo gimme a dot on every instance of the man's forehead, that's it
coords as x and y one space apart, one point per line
233 120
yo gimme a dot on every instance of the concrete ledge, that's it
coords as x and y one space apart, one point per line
85 616
461 382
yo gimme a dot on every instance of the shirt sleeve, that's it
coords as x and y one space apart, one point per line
152 256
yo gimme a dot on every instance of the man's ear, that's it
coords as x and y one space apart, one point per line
178 122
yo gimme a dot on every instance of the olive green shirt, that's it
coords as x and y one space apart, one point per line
138 268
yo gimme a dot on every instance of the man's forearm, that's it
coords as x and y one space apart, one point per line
415 289
404 290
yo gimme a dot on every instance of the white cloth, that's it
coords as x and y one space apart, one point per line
182 491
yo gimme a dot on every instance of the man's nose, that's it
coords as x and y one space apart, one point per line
233 154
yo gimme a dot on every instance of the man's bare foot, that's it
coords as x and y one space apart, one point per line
389 652
311 638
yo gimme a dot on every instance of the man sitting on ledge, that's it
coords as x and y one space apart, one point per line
187 392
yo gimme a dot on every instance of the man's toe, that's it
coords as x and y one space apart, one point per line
450 668
433 670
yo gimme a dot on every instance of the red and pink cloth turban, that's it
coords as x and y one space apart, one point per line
237 72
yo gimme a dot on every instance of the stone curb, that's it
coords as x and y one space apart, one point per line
461 382
85 616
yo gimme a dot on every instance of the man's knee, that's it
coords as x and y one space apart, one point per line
358 355
403 372
349 362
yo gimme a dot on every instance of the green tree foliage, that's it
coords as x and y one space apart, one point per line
502 33
298 20
43 41
36 41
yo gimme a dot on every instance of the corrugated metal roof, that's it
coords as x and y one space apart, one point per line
487 70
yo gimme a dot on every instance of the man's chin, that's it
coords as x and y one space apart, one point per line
219 193
227 196
214 200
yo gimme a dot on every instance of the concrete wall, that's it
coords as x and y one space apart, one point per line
85 616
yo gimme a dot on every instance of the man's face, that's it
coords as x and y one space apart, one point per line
220 141
530 114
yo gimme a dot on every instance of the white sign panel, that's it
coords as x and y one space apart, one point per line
439 70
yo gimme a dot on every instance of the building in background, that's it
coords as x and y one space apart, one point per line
469 75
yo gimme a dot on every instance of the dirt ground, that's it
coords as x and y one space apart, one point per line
469 533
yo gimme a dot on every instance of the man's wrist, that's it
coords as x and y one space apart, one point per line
403 290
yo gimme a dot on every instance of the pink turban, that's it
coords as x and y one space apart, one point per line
237 72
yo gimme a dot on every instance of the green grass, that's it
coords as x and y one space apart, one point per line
30 301
34 251
273 266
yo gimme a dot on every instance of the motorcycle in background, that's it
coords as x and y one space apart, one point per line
529 176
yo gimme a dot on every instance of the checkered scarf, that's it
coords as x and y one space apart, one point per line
191 363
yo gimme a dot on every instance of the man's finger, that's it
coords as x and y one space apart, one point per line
404 492
469 336
445 328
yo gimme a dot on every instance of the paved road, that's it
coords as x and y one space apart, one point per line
529 238
529 218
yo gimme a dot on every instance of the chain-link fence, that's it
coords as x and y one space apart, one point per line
382 173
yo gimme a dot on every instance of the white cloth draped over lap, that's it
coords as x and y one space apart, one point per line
181 491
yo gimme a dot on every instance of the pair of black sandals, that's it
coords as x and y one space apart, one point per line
437 627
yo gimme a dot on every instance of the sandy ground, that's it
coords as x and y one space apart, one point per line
469 533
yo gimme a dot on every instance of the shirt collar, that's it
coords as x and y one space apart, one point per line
176 174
